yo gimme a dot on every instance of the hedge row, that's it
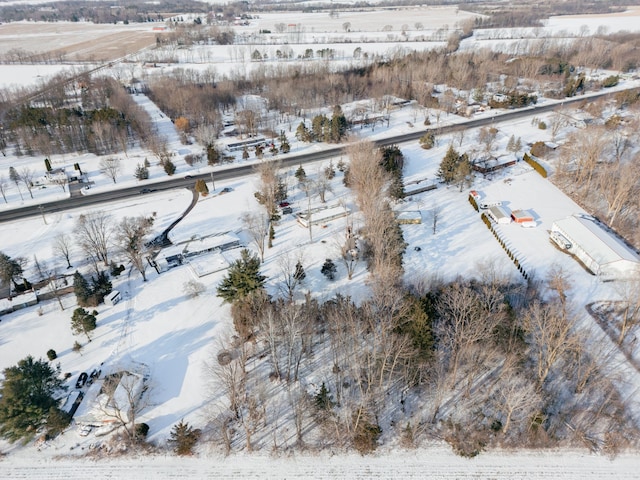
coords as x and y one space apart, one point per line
473 203
510 254
536 166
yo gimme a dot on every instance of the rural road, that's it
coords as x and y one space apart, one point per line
290 160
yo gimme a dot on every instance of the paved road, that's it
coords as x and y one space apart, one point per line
234 172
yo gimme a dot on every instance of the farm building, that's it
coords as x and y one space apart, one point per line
600 251
409 217
522 216
499 214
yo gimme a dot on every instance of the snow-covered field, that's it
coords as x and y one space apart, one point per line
157 325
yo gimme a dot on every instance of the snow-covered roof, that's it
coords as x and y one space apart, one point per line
601 245
207 244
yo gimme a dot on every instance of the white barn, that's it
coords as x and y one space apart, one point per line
600 251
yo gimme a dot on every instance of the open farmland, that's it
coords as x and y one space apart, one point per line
73 42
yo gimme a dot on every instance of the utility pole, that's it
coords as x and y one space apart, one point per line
213 184
41 208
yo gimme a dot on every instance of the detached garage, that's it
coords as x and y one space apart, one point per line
600 251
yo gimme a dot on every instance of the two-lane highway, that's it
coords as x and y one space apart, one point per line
289 160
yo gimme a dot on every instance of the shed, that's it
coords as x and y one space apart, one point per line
499 214
112 298
522 216
603 253
409 217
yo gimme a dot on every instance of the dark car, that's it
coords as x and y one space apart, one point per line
287 210
226 190
82 379
187 177
147 190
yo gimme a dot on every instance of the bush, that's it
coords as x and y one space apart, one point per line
611 81
329 269
473 203
466 442
77 347
51 355
141 431
428 140
542 125
193 288
365 439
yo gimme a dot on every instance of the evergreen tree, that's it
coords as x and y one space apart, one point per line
329 269
302 133
448 166
10 269
300 174
272 235
338 125
83 322
323 399
242 278
81 289
169 167
100 287
141 173
511 144
318 128
27 394
299 273
183 438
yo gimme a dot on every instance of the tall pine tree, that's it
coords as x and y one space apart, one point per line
242 278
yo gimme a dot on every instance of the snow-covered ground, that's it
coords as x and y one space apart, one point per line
157 325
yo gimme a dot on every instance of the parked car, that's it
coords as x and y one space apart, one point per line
226 190
147 190
287 210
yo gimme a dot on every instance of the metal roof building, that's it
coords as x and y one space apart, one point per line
601 251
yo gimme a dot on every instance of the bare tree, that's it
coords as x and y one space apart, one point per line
322 185
436 211
62 246
558 121
93 233
618 184
110 167
131 238
487 136
126 394
549 334
4 185
291 278
26 176
269 181
628 309
516 397
257 225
